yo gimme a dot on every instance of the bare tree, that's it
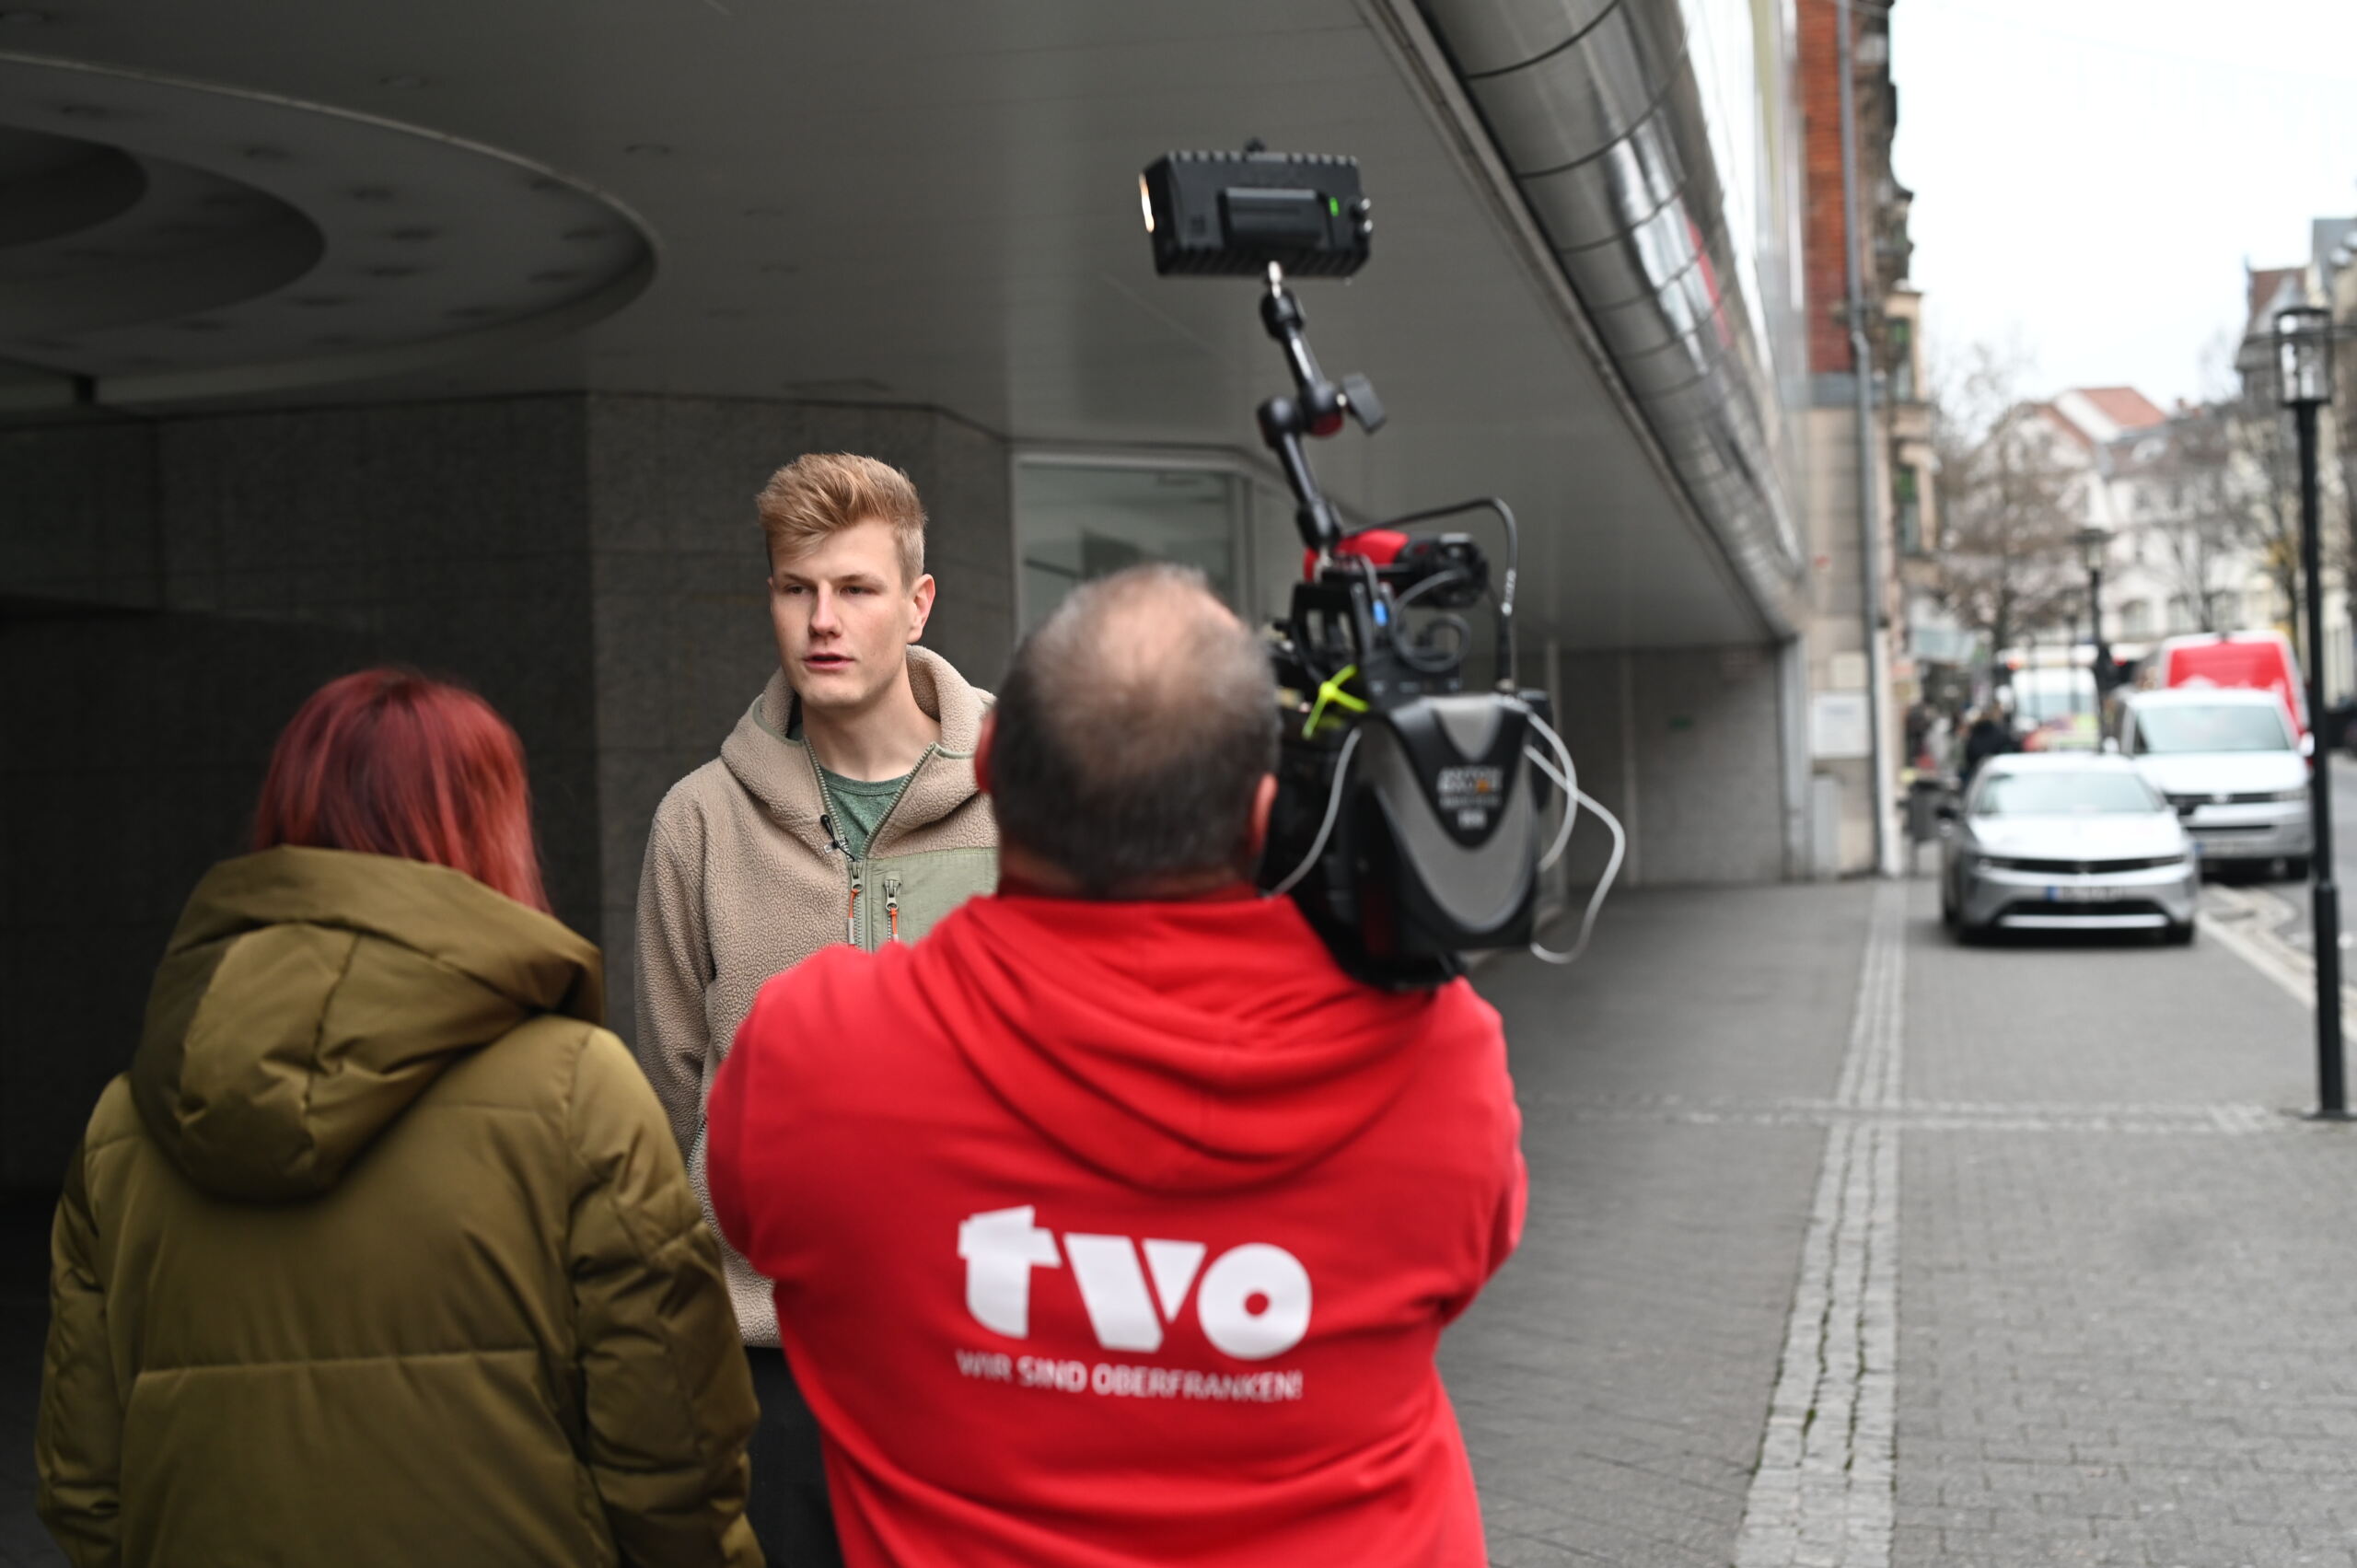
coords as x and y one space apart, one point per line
2203 488
2262 448
2006 487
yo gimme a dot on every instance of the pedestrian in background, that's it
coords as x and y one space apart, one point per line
1114 1224
1989 736
380 1253
841 810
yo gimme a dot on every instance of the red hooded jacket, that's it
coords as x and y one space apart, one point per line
1113 1234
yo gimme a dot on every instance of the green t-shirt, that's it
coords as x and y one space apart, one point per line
859 808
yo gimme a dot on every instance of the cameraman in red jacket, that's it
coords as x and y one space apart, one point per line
1114 1224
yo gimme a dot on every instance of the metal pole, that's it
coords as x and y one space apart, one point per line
2103 649
2333 1099
1869 528
2070 654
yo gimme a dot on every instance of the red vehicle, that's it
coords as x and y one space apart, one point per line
2259 661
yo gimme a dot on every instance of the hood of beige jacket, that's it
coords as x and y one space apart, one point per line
780 773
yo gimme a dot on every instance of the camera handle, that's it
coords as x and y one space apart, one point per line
1316 408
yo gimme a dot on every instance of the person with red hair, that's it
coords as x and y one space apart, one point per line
381 1251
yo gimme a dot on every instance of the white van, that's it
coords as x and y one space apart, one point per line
2229 763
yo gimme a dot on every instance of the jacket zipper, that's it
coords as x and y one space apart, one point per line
853 869
827 814
886 820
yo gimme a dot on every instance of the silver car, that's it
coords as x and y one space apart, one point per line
2066 841
2230 763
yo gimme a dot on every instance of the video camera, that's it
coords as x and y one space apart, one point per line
1408 817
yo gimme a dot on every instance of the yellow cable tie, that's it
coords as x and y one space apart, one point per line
1332 692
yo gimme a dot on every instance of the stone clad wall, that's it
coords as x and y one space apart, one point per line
171 589
1685 746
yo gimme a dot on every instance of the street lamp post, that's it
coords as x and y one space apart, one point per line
2303 383
2093 542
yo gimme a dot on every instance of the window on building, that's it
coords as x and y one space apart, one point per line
1907 508
1902 338
2136 619
1076 519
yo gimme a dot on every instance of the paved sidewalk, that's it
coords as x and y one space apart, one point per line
1851 1247
1614 1380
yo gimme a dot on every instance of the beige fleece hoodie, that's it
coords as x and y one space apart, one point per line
741 882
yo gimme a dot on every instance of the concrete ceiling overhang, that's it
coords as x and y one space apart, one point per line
934 204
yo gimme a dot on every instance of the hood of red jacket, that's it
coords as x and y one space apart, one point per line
1196 1046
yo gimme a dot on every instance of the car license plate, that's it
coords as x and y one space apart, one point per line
2076 895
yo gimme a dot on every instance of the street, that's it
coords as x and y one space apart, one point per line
2280 909
1849 1245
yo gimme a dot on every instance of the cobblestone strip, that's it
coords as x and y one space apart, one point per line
1823 1494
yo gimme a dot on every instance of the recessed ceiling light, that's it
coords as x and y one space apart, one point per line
403 82
647 149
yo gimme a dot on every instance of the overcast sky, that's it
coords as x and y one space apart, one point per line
2091 175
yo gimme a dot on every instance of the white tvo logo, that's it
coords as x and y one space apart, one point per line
1253 1302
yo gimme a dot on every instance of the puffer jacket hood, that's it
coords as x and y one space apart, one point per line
1200 1046
309 997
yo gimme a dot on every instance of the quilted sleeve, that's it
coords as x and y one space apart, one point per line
668 1396
77 1435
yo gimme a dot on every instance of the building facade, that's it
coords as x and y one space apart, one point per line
1868 460
328 342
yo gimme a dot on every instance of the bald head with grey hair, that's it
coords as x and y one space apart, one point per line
1130 738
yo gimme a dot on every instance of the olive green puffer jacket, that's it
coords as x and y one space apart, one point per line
382 1253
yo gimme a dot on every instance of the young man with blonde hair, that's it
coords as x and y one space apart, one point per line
842 808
